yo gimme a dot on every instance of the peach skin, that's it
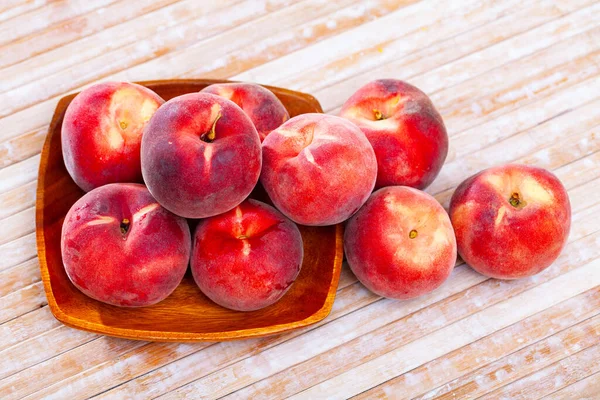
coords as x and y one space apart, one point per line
201 155
405 130
246 258
102 131
318 169
400 244
511 221
265 110
119 246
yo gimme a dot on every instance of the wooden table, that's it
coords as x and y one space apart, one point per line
514 81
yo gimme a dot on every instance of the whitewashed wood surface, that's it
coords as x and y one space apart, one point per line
514 81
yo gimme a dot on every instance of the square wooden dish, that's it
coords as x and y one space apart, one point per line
186 315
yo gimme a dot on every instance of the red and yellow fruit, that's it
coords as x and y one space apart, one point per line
511 221
405 130
102 131
400 244
201 155
119 246
318 169
246 258
260 104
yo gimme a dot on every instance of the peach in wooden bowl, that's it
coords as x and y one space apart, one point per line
187 314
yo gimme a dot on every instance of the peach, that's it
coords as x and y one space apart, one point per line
102 131
318 169
246 258
265 110
400 244
510 221
119 246
201 155
405 130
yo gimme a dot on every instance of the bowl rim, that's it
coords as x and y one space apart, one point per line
167 336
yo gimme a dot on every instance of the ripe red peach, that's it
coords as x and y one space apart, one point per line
405 130
400 244
102 131
119 246
511 221
246 258
318 169
201 155
265 110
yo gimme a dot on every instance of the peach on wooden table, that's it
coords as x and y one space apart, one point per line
265 110
201 155
511 221
400 244
119 246
248 257
404 128
102 132
318 169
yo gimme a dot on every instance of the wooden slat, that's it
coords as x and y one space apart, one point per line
554 377
55 12
35 350
22 147
83 365
19 174
368 347
17 225
13 8
392 27
317 76
549 145
26 327
587 388
526 361
454 336
19 276
18 199
71 363
139 361
22 301
461 371
51 37
141 28
17 251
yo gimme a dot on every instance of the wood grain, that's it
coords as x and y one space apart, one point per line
514 81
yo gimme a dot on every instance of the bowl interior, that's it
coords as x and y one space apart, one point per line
187 314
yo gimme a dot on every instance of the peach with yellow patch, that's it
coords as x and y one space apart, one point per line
201 155
246 258
102 132
405 130
318 169
400 244
119 246
511 221
265 110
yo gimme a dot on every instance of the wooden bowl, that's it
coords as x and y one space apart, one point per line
186 315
